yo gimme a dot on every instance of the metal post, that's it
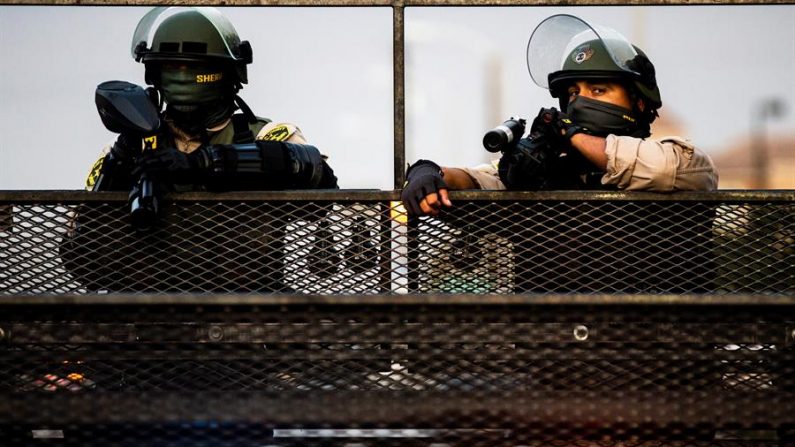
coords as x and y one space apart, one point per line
398 47
770 108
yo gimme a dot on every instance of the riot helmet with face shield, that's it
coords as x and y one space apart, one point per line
564 49
195 59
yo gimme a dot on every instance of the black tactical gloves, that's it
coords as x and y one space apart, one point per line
529 166
422 178
172 165
556 126
126 148
567 127
113 171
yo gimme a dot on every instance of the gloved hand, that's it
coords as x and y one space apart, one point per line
555 126
173 165
126 148
567 127
528 167
424 178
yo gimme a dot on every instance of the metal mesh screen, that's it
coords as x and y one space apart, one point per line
262 373
514 319
331 244
608 247
236 247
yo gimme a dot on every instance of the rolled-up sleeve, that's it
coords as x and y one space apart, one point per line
667 165
486 176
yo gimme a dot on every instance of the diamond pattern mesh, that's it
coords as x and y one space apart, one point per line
607 247
336 321
367 247
396 374
275 247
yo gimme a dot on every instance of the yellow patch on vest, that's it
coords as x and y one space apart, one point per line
278 133
150 142
93 175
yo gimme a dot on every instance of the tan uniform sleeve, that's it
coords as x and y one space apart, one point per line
485 176
667 165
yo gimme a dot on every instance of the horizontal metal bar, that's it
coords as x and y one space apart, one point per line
709 196
545 411
400 300
300 195
724 196
577 2
369 3
147 331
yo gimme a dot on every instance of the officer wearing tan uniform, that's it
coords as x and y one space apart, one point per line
600 138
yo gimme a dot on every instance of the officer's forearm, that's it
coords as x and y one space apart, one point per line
268 165
593 148
457 178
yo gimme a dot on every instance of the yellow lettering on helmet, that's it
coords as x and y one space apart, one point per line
213 77
629 118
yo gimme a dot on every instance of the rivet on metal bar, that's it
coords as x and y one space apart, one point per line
581 333
216 333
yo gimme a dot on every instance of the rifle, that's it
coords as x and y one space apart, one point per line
126 108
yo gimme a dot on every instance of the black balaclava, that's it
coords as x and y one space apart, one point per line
197 97
602 118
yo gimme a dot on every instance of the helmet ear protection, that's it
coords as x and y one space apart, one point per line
646 80
246 55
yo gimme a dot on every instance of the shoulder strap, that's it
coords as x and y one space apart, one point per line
243 133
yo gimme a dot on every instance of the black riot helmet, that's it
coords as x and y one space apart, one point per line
564 48
190 34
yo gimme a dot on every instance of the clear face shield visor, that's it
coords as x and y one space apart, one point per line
554 40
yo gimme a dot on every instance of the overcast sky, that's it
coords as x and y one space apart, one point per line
329 70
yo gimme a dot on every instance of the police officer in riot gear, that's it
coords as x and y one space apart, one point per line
208 139
598 139
196 63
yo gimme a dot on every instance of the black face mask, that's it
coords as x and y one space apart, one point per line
601 119
197 97
195 119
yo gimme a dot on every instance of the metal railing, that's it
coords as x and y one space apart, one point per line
328 318
391 370
359 242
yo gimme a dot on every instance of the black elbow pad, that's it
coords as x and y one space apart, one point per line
266 165
305 163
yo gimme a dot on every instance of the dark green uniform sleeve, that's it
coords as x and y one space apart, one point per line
266 165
